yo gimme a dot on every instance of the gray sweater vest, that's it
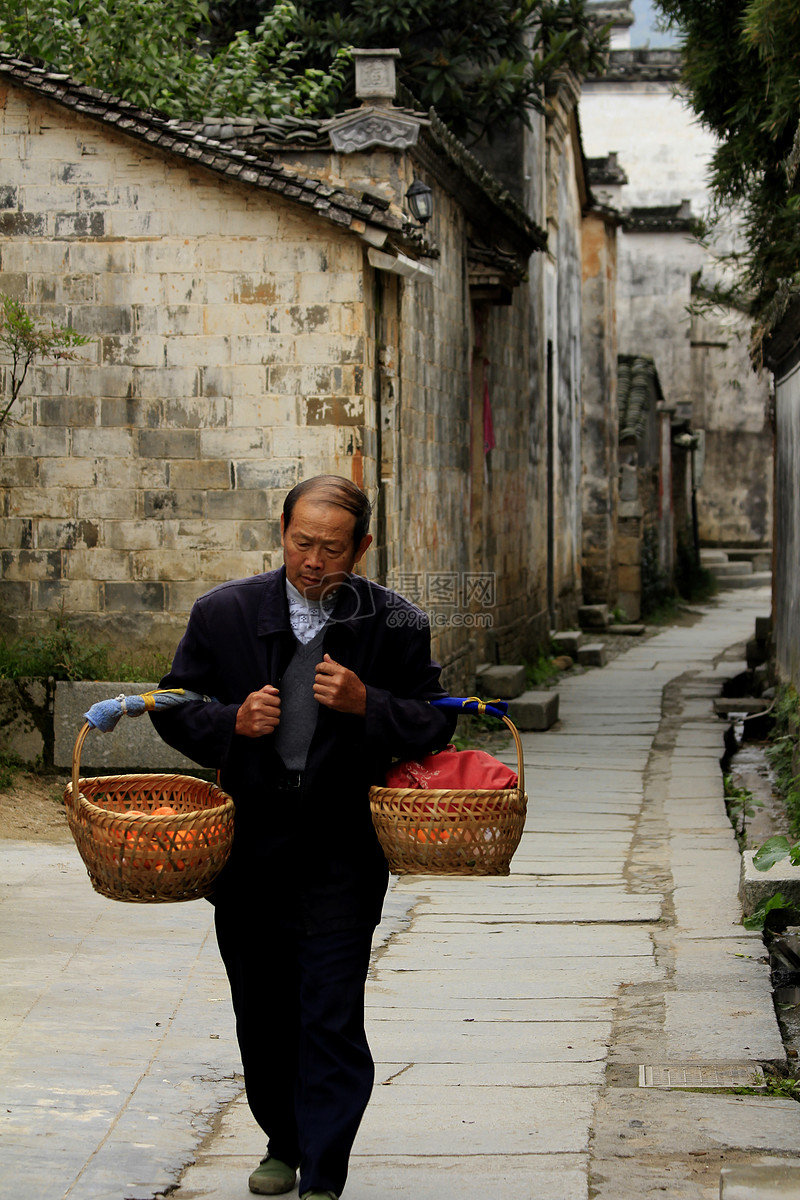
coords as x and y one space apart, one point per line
299 709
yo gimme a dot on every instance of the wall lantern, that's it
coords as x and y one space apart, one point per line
420 201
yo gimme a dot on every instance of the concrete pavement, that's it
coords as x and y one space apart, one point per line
511 1019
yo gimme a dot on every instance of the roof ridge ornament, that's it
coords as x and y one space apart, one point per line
377 122
376 78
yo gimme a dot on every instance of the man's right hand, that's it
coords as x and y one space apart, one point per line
260 713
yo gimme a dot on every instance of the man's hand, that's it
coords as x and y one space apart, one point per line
260 713
338 688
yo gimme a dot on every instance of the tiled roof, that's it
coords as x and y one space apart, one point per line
284 134
606 170
641 65
221 153
664 218
251 151
638 391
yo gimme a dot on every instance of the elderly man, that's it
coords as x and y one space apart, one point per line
319 678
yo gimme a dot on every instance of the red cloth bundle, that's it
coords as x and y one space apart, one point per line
460 770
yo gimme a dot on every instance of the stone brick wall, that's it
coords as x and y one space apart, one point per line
600 488
228 359
731 407
240 344
565 197
463 540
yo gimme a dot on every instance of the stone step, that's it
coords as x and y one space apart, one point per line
756 886
593 616
627 630
593 654
724 569
500 682
569 641
760 1181
534 712
757 579
707 557
723 706
761 559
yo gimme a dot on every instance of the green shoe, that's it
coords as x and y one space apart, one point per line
272 1177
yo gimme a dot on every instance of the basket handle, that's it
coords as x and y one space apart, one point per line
489 708
76 762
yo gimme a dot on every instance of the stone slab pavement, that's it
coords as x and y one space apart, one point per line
510 1018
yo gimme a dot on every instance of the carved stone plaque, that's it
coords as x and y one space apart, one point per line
375 74
373 127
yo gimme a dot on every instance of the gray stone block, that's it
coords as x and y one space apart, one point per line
757 579
739 704
725 570
534 711
593 654
568 642
707 557
23 715
627 630
133 747
593 616
500 682
760 1181
756 886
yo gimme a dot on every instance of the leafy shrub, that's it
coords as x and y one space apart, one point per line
65 654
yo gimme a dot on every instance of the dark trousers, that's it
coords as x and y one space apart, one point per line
308 1070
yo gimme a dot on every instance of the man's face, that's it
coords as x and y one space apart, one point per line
318 547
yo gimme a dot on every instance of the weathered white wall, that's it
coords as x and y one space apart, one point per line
702 364
654 282
662 148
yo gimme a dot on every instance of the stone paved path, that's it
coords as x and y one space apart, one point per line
508 1017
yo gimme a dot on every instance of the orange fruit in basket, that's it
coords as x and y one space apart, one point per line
164 810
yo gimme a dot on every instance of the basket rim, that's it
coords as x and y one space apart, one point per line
378 787
74 797
166 819
520 767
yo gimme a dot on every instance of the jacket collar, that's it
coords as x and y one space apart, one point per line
273 611
353 603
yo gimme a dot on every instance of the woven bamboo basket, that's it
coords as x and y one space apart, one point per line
437 831
143 858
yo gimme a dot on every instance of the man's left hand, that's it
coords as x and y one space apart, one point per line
338 688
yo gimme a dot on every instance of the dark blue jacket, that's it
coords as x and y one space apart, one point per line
309 859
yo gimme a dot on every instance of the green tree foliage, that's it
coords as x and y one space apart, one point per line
480 65
157 54
742 75
23 340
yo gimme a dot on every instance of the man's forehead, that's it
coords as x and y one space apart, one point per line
321 517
